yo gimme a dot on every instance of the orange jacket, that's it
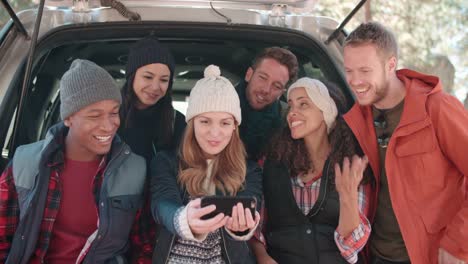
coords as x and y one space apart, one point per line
426 165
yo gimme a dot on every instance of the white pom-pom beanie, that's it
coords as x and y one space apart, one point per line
213 93
318 93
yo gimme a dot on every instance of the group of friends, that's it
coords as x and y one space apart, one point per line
119 179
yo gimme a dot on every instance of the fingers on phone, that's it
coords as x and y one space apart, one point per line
205 210
230 223
235 218
196 203
257 217
240 210
220 220
249 218
214 221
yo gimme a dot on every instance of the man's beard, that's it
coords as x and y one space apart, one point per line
381 91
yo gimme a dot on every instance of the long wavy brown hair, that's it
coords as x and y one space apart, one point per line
293 152
229 166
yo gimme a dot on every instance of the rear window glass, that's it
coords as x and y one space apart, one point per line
192 56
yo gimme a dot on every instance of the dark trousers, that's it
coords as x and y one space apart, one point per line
377 260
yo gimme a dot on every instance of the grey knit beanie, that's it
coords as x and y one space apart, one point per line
213 93
319 95
85 83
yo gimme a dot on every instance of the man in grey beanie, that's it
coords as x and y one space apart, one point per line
72 197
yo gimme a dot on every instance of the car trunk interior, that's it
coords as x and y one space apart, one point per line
194 46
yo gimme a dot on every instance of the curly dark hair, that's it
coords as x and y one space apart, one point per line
293 152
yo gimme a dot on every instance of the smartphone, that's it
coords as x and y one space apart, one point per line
224 204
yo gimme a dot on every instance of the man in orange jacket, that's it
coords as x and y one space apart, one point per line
416 139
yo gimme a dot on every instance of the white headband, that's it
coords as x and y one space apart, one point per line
319 95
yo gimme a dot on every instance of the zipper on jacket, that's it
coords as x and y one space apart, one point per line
224 246
170 248
95 243
173 237
325 183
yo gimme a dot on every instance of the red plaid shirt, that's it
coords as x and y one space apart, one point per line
143 236
9 209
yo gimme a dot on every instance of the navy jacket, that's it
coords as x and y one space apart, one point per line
168 196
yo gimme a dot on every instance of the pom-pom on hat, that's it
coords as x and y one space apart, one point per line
213 93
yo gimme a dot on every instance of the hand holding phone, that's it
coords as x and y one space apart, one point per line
225 204
201 227
241 212
242 219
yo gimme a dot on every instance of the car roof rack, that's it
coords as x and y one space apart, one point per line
337 31
27 73
19 26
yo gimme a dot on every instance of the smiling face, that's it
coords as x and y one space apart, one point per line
92 130
304 117
367 73
150 84
266 83
213 131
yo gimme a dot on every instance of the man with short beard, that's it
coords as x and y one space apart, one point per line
415 137
72 197
265 82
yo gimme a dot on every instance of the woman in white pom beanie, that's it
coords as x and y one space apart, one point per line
309 198
212 161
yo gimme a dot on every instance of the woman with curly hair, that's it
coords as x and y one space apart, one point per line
315 188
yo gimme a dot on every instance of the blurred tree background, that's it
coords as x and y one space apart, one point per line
432 34
17 5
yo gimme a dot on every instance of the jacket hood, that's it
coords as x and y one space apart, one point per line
432 83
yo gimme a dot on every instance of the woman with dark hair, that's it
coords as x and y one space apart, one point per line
149 123
212 160
315 210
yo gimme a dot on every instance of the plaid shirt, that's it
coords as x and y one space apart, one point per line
9 209
306 194
143 236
